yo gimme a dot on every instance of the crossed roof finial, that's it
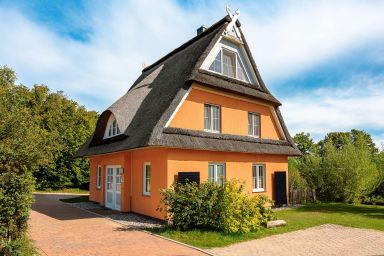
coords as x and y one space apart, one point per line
234 18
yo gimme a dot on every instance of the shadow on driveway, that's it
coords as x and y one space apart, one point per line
50 205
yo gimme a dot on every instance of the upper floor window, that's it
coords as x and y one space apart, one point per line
258 178
211 118
254 124
229 63
216 173
112 128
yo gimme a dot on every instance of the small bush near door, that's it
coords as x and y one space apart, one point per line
211 206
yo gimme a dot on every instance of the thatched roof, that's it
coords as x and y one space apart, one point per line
144 110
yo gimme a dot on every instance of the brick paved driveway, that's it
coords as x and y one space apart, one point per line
60 229
321 240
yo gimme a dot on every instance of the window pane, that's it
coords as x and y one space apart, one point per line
211 173
256 125
216 64
207 117
229 63
215 118
220 174
240 71
254 177
250 124
261 176
147 183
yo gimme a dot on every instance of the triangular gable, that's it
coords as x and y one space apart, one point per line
229 56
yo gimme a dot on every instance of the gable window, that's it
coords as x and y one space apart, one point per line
216 173
98 177
112 128
258 178
254 124
147 179
211 118
229 63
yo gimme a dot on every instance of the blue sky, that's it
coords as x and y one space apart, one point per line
323 59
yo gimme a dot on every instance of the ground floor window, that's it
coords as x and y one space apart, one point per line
98 177
147 179
216 173
258 178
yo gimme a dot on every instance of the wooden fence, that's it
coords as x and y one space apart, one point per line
302 196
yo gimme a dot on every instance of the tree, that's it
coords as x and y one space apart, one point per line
305 143
22 149
349 172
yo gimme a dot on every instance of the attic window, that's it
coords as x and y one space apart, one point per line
112 128
229 64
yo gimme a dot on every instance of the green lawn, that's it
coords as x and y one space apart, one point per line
66 190
360 216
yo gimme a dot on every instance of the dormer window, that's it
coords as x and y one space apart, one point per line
112 128
229 63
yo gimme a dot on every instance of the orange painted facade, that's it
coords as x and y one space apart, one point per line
234 113
167 162
165 165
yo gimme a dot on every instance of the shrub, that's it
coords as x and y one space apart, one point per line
211 206
15 201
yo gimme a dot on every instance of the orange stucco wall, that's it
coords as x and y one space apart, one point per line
234 113
132 198
165 165
237 165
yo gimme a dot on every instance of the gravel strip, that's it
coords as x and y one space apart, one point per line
130 220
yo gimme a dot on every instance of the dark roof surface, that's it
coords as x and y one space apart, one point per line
144 110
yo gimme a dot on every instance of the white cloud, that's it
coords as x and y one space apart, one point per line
295 37
356 103
304 34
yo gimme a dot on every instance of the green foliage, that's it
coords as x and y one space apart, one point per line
19 247
345 166
42 130
211 206
39 133
295 180
15 200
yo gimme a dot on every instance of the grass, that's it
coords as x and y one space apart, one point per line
65 190
23 246
359 216
78 199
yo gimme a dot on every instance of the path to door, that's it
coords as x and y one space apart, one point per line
60 229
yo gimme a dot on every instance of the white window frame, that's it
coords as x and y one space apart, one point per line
146 191
210 129
251 132
215 176
255 179
237 57
112 129
98 177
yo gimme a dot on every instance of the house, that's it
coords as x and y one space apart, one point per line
200 112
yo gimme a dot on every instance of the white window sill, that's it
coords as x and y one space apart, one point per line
254 136
258 190
98 187
108 137
146 194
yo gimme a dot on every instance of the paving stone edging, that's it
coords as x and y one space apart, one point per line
144 231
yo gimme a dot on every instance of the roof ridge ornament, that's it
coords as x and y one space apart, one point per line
232 25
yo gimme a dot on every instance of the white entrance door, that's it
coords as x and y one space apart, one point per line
113 187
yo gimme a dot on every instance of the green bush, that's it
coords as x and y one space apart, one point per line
20 247
211 206
15 201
